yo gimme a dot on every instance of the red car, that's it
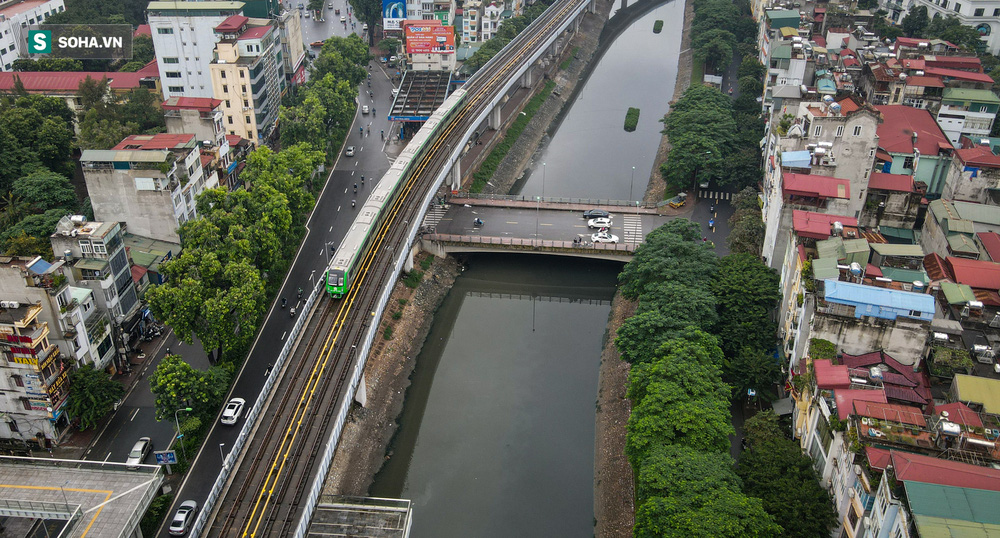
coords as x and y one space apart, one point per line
317 44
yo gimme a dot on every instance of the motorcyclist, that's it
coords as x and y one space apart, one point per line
352 203
293 312
283 302
300 293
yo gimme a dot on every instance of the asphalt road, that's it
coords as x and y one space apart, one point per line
547 223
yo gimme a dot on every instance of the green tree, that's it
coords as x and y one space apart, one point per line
673 252
46 190
951 29
141 107
774 469
746 227
142 49
177 385
751 67
40 226
721 514
751 294
665 312
915 22
345 57
28 245
368 11
94 94
92 395
754 369
304 123
99 131
287 172
389 46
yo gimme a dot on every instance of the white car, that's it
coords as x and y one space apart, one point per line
364 27
349 152
329 6
233 411
343 18
183 518
364 109
139 452
600 222
307 15
604 237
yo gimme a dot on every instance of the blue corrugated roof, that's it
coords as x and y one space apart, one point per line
796 159
884 297
39 267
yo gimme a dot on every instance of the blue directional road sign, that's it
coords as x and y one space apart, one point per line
166 457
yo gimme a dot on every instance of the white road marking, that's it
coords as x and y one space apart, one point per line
108 456
134 413
331 227
338 209
283 336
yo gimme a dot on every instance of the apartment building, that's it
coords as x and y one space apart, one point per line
248 76
183 39
150 182
15 18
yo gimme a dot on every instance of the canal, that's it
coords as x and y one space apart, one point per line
590 155
497 433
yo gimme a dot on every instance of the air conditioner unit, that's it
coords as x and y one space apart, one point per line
4 304
851 493
14 304
857 471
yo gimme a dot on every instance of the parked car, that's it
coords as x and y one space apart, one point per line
599 222
596 213
139 452
183 518
364 27
329 6
349 152
364 109
233 411
604 237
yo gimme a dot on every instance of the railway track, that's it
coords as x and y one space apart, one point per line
266 491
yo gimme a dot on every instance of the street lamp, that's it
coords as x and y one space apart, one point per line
179 435
630 184
538 203
223 454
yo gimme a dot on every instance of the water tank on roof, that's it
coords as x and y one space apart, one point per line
875 372
827 99
918 285
835 108
949 428
855 268
838 228
78 219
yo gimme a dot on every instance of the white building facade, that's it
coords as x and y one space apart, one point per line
15 17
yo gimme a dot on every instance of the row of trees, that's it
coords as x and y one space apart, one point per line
108 118
324 107
720 30
695 342
218 288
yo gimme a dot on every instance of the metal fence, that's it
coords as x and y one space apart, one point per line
553 199
249 423
610 248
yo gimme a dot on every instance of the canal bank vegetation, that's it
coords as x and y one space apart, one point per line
701 335
493 160
507 32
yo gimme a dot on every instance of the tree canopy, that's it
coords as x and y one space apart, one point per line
92 395
177 385
751 293
673 252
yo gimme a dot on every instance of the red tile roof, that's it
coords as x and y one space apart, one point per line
232 24
971 63
851 62
981 156
960 413
920 468
206 160
878 458
913 63
959 74
150 69
817 225
816 186
830 376
935 267
976 273
925 81
891 182
871 270
901 122
881 357
903 414
137 273
202 104
157 141
991 244
255 33
819 40
846 397
142 29
69 81
848 105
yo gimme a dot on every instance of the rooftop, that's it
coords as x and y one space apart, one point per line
849 292
166 141
818 225
939 510
891 182
195 5
201 104
975 273
969 94
920 468
69 81
980 390
816 186
21 7
901 123
960 413
232 24
979 156
991 244
256 32
959 74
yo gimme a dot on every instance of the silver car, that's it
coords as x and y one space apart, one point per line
139 452
183 518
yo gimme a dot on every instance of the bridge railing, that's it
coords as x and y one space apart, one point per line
251 419
620 248
553 199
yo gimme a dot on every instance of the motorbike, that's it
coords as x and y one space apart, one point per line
293 312
352 203
283 302
477 223
300 293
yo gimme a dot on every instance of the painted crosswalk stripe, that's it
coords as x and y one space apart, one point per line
715 195
434 215
632 228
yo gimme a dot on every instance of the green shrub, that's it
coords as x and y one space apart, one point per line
397 314
492 161
631 119
402 302
413 279
425 263
822 349
153 517
657 26
387 333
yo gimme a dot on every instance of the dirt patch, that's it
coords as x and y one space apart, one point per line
363 443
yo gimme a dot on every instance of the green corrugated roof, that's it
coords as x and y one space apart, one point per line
953 512
891 249
781 52
124 155
824 268
960 226
93 264
80 294
902 234
962 243
144 259
986 214
957 293
967 94
904 275
832 248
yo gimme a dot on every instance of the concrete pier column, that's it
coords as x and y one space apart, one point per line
527 79
456 175
495 118
408 264
361 396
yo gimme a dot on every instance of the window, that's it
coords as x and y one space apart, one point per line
250 134
857 130
840 131
13 426
243 74
26 404
958 7
175 89
247 118
173 74
871 153
85 247
944 4
817 130
983 109
978 12
163 31
908 163
244 88
227 103
225 88
171 60
246 104
17 380
99 248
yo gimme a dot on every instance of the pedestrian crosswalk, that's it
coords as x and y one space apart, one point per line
632 228
433 216
716 195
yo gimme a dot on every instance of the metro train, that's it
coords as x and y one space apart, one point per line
346 263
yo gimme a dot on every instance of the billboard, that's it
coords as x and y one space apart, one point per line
393 13
430 39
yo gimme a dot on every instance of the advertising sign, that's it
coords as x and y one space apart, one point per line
430 39
393 13
165 457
